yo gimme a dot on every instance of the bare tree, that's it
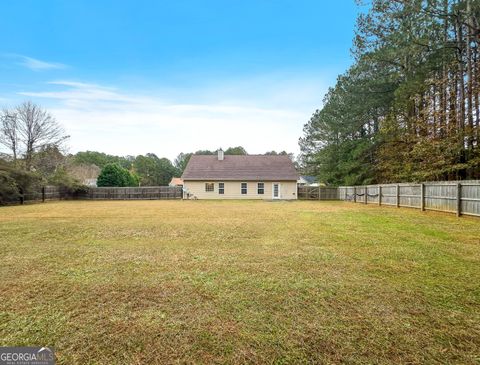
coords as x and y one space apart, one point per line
9 132
83 172
37 129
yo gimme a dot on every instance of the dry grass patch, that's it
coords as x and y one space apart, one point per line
240 282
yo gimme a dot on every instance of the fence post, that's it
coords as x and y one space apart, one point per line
422 196
459 199
398 196
366 194
43 194
380 195
319 193
354 194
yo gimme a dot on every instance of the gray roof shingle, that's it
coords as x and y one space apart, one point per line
240 167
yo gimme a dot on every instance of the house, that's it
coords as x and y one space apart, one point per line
176 181
306 180
90 182
240 177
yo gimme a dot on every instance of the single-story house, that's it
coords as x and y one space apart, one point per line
240 177
90 182
176 181
306 180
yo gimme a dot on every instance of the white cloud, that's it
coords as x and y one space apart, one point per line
38 65
258 115
80 92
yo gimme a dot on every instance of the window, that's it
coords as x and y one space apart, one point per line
260 188
209 187
221 188
244 188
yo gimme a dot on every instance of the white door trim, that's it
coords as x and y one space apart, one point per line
273 190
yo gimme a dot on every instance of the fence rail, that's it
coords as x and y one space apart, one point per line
317 193
459 197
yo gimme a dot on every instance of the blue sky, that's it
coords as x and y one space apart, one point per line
131 77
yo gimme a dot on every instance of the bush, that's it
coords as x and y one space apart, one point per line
63 179
115 175
8 188
16 182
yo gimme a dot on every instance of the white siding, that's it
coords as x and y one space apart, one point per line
288 190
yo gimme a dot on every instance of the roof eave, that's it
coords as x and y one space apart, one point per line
240 179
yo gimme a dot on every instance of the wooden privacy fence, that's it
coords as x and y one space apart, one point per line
460 197
317 193
134 193
43 194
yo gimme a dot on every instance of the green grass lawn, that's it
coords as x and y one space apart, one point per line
157 282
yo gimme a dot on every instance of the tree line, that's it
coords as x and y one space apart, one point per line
144 170
182 159
34 146
409 107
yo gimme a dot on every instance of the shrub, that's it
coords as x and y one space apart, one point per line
16 182
8 188
63 179
115 175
